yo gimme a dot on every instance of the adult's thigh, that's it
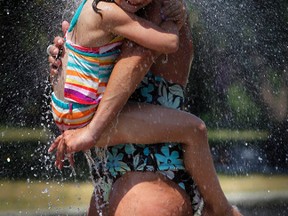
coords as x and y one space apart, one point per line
148 193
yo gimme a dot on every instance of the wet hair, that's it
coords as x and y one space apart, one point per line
94 5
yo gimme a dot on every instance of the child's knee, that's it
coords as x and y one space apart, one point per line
201 127
198 126
197 131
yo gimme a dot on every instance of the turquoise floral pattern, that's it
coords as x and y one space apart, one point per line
115 163
146 92
169 160
171 97
166 158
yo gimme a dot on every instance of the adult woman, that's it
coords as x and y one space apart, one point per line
115 105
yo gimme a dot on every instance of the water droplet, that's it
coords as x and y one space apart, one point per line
45 191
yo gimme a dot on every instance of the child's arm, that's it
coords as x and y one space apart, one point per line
163 39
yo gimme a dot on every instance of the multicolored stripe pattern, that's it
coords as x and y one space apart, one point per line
88 71
71 115
87 74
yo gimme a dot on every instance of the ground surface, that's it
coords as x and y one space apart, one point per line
255 195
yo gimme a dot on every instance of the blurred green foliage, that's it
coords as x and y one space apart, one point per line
238 78
245 111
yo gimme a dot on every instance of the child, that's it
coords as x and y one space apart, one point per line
94 44
179 127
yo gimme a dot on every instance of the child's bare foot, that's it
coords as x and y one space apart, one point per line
235 211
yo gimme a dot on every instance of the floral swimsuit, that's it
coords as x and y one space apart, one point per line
166 158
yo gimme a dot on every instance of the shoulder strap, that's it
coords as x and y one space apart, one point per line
76 16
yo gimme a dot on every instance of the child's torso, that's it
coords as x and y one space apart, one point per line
85 27
86 69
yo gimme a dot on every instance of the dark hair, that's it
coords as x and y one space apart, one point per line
141 12
94 5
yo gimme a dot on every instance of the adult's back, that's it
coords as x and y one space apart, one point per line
176 66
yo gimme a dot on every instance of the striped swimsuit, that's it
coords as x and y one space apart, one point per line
87 74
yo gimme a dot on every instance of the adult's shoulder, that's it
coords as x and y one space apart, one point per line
111 13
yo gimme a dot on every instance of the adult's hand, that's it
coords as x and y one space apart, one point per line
174 11
53 50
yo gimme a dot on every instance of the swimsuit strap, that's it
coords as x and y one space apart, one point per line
76 16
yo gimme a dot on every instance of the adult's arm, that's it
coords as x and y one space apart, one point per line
132 66
130 69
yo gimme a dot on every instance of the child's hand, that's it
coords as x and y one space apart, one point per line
69 142
174 10
61 149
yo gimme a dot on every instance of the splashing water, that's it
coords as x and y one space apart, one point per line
234 42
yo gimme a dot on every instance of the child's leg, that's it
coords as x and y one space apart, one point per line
142 123
149 124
